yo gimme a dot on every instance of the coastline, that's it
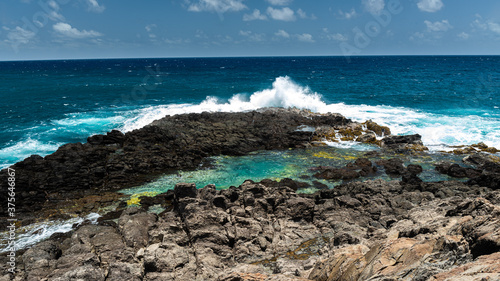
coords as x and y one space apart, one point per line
111 162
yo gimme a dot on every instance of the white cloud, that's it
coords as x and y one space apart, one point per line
284 14
417 36
150 27
252 36
438 26
495 27
301 14
256 15
305 37
279 2
94 6
53 13
282 33
374 7
430 6
19 35
463 36
480 24
347 15
219 6
66 30
176 41
337 37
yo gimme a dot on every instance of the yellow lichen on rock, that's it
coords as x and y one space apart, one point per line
324 154
135 199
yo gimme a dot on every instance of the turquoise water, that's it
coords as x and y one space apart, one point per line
448 100
226 171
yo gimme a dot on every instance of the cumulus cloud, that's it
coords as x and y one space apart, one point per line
438 26
305 37
53 12
463 36
284 14
486 25
337 37
430 6
94 6
19 35
257 37
495 27
279 2
282 33
374 7
255 15
150 27
67 30
417 36
219 6
347 15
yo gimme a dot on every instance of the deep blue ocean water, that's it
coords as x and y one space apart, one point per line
448 100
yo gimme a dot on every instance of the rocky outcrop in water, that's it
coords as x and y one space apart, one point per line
373 230
116 160
486 171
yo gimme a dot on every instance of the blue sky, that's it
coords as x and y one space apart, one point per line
64 29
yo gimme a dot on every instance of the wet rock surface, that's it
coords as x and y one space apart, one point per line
486 171
372 230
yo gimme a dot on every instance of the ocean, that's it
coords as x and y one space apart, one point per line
449 100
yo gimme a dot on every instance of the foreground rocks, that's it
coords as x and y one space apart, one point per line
375 230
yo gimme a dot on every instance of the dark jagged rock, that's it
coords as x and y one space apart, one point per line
367 138
377 129
331 173
487 162
295 185
319 185
457 171
182 190
113 137
393 166
486 174
115 160
360 168
411 178
402 144
414 169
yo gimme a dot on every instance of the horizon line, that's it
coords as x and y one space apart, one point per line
262 56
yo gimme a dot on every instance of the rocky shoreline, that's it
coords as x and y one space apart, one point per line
368 230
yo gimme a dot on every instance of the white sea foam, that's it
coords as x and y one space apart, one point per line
284 93
26 148
37 232
437 131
